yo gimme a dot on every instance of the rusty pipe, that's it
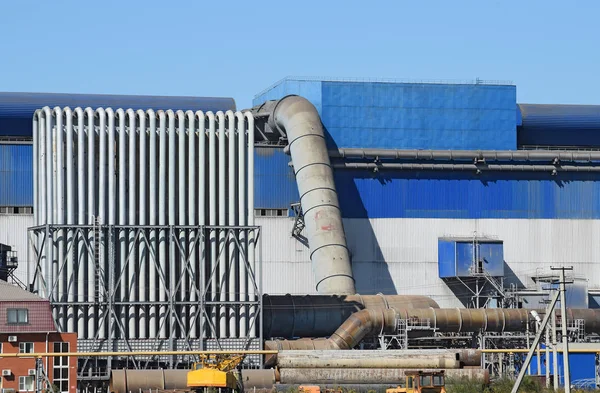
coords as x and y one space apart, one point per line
145 381
369 322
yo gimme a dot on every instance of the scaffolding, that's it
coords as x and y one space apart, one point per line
189 323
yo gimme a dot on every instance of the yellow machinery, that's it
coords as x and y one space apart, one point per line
214 373
422 382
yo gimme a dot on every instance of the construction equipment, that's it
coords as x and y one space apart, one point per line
421 382
214 373
316 389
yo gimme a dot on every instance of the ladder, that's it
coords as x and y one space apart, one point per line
97 234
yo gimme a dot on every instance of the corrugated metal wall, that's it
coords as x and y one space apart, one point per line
16 175
16 109
13 232
409 115
460 195
274 180
400 255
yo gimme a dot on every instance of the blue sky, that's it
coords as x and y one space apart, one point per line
549 49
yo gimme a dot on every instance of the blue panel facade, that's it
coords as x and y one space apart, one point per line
17 109
462 195
456 257
16 175
275 184
559 125
582 365
409 115
419 116
446 258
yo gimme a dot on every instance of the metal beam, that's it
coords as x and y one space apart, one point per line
135 353
536 341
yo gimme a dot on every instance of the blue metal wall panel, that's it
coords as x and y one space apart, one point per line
446 258
274 181
419 116
582 365
461 195
559 125
16 175
311 90
409 115
17 109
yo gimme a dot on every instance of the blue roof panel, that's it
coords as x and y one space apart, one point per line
16 109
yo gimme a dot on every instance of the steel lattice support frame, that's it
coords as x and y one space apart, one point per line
190 303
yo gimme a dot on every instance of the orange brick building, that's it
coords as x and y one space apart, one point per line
26 326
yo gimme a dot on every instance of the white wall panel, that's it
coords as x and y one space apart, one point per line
400 255
13 232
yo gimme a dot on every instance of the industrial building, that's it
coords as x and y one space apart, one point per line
451 195
27 326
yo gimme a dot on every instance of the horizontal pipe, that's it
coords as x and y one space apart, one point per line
463 155
126 381
373 362
419 358
363 376
135 353
370 322
466 167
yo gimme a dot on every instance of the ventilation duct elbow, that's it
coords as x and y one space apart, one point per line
298 119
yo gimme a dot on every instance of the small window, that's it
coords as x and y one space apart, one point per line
26 384
26 347
271 212
17 316
426 380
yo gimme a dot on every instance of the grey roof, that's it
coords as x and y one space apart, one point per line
12 293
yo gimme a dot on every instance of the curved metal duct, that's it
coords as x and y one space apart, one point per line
291 316
370 322
297 118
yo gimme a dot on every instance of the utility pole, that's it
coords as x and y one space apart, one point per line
554 353
535 343
563 324
542 328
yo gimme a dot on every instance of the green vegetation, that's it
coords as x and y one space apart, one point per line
529 385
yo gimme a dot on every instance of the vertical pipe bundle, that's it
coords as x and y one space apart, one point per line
136 190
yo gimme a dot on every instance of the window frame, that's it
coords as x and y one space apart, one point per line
22 382
18 314
24 345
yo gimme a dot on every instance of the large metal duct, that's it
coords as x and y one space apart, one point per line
291 316
299 120
145 173
370 322
410 358
336 376
127 381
